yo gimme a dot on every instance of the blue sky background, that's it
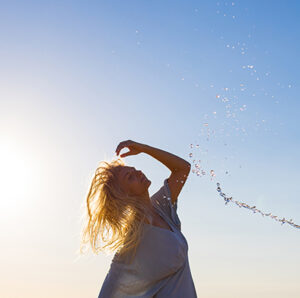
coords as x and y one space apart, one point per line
78 77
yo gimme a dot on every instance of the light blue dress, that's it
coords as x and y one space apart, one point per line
160 267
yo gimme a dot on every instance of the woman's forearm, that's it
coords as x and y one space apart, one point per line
171 161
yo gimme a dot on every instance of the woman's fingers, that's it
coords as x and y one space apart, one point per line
119 147
130 145
118 150
122 145
125 154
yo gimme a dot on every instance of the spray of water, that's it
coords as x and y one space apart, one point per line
254 209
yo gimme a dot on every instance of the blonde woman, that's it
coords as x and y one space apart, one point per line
151 253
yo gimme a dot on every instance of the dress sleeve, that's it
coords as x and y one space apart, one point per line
162 199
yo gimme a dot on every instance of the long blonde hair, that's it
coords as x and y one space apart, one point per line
112 216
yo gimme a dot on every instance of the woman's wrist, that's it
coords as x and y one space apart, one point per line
143 147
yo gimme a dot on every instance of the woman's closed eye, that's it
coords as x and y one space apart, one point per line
130 175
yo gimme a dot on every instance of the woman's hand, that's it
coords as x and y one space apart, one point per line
134 148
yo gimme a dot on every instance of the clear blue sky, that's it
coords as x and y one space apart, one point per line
78 77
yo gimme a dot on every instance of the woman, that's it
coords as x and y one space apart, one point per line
151 253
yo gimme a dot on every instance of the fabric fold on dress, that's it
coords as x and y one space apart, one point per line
162 200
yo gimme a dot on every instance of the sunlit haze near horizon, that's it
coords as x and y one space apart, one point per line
214 82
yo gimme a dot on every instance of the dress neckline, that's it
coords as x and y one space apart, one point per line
171 228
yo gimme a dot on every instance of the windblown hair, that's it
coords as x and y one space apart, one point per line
114 219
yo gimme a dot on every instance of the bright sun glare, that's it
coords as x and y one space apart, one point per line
16 178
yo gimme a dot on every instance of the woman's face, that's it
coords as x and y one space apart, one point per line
133 182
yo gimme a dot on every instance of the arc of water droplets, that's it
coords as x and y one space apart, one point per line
254 209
